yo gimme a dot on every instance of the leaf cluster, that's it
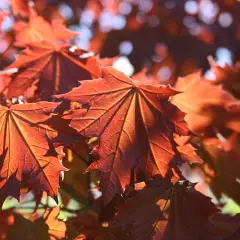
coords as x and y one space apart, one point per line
71 125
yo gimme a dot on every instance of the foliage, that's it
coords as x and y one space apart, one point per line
88 152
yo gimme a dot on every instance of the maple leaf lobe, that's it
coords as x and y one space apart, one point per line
135 124
24 161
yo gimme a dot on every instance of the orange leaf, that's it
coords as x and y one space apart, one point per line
28 156
207 106
39 29
20 7
135 124
57 67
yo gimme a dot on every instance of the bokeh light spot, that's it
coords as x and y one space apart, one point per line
125 47
164 73
65 11
225 19
191 7
123 64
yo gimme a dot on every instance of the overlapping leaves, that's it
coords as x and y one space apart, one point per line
141 135
52 68
207 106
163 211
135 125
28 157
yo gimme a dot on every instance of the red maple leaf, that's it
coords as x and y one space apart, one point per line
167 211
27 153
55 68
135 124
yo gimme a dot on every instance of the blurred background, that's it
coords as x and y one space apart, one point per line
170 37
